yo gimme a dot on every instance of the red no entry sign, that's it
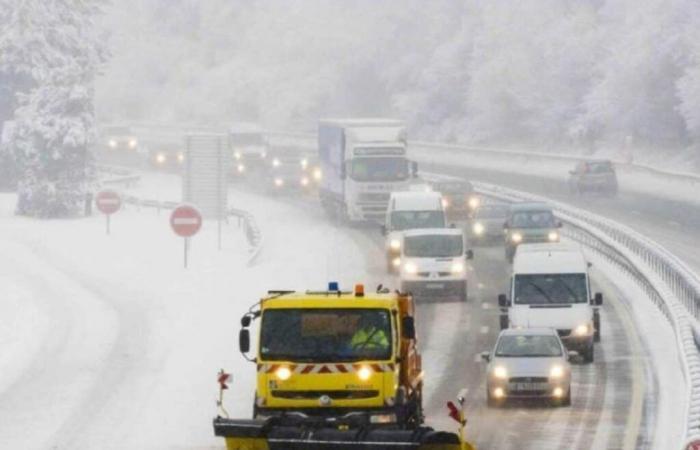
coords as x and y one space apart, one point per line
186 221
694 444
108 202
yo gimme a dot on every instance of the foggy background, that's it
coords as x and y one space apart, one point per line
547 74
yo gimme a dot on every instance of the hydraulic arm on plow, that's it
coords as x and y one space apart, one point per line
335 370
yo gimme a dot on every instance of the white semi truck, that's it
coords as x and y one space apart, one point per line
362 162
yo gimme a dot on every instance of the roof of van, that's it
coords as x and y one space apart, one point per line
415 201
549 258
364 122
433 232
528 332
530 206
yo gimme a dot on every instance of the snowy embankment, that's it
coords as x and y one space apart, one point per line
112 344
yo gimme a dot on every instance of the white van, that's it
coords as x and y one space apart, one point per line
408 211
433 263
550 288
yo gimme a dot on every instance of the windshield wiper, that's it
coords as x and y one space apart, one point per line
541 291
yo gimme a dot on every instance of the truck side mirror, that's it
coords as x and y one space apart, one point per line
244 340
503 301
408 328
469 254
414 169
598 299
245 321
486 356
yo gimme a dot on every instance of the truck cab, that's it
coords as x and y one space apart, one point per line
433 263
288 169
249 147
407 211
336 353
550 288
529 222
362 161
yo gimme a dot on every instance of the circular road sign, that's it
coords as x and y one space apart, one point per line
186 221
693 444
108 202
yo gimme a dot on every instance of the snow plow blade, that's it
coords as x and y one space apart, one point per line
241 434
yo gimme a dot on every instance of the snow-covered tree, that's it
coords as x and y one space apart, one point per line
56 43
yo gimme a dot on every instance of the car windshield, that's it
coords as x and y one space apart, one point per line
454 188
308 335
528 346
600 167
544 289
247 139
379 169
435 246
532 219
408 220
117 131
493 212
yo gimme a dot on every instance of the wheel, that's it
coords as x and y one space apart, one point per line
596 326
464 293
566 401
588 354
492 402
503 321
510 254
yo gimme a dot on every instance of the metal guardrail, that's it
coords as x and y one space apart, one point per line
671 285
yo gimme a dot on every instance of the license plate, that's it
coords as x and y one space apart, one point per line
434 286
528 386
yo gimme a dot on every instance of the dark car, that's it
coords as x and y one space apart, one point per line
458 199
487 223
593 176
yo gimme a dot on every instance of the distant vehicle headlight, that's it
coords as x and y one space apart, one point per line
396 262
237 155
240 168
410 268
112 143
304 163
275 162
556 372
500 372
180 158
478 229
395 244
279 182
317 174
553 236
304 181
474 202
263 154
582 330
457 268
516 238
133 143
161 158
445 202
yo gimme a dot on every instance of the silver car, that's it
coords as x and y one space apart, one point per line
528 363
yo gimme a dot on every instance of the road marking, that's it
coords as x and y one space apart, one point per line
484 329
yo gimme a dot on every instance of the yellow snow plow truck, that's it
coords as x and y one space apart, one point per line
335 369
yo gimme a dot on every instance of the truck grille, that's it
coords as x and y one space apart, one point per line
374 197
336 395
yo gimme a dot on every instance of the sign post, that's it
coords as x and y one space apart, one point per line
108 202
186 221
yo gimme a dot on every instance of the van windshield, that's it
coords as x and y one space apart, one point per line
436 246
544 289
409 220
532 219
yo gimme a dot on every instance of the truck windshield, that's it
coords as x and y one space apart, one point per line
408 220
528 346
543 289
247 139
436 246
532 219
308 335
379 169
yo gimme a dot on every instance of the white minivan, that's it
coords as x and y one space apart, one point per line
408 211
433 263
550 288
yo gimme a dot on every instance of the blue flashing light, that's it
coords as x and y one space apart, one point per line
333 286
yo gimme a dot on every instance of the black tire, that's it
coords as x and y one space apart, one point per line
492 402
464 293
566 401
596 326
588 354
510 254
503 321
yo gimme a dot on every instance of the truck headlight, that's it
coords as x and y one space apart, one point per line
478 229
237 155
500 372
304 163
275 162
516 238
582 330
474 202
395 244
553 236
410 268
283 373
112 143
133 143
364 373
556 372
180 158
161 158
457 268
317 174
445 203
396 262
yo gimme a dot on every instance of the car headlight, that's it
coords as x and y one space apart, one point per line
240 168
474 202
317 174
364 373
283 373
556 372
500 372
180 158
112 143
457 267
395 244
275 162
445 203
553 236
263 154
396 262
516 238
478 229
133 143
304 163
161 158
237 155
304 181
410 268
582 330
279 182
